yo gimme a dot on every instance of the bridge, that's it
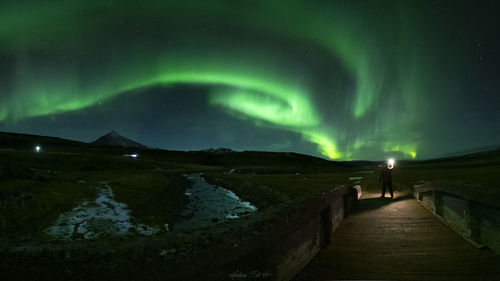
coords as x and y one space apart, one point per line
400 239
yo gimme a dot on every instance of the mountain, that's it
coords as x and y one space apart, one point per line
115 139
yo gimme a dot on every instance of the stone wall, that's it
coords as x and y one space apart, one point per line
293 243
296 248
477 222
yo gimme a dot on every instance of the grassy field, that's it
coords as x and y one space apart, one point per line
36 187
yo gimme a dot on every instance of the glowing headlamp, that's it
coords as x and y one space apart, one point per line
390 163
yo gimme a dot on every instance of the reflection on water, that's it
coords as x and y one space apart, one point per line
210 204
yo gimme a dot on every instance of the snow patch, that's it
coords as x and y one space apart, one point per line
90 220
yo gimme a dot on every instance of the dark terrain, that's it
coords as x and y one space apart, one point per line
37 187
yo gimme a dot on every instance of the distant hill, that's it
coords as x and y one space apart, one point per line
218 150
473 150
28 142
115 139
223 157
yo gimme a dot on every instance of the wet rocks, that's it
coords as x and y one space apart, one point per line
211 204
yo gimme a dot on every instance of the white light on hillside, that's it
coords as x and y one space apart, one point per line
135 155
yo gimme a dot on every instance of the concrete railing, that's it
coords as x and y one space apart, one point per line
308 230
477 222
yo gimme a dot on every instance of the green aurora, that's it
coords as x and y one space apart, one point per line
350 78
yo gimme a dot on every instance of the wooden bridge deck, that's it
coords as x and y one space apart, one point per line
399 240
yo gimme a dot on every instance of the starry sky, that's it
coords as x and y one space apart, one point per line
341 80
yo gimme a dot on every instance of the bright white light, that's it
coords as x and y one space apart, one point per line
131 155
390 163
37 148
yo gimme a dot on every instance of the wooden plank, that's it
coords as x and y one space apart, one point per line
395 240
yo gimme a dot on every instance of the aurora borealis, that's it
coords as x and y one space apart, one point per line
336 79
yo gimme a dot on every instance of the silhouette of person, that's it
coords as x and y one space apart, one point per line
386 178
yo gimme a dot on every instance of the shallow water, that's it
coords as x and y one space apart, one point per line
210 204
103 217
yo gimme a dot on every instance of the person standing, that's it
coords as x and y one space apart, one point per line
386 178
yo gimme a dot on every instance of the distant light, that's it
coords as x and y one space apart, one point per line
37 148
131 155
390 163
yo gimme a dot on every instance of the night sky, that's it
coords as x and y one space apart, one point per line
336 79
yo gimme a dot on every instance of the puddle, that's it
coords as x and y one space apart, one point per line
103 217
210 204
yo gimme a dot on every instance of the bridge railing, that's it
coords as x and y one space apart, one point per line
475 219
291 244
311 230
